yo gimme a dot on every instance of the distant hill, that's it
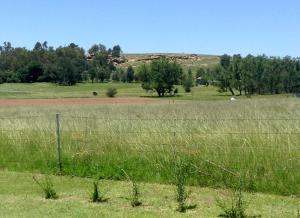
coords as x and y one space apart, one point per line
193 61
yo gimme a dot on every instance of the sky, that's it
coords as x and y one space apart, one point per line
213 27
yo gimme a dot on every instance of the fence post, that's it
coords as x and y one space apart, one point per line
58 142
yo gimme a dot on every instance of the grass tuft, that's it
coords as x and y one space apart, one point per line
180 175
135 194
47 187
97 197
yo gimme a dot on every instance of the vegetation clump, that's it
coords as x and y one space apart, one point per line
188 81
47 187
97 197
160 75
180 175
237 208
256 75
135 194
111 92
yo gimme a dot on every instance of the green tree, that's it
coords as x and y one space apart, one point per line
144 74
116 51
130 74
161 76
70 64
31 73
188 81
97 48
235 68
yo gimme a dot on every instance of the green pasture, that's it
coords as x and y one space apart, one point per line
21 197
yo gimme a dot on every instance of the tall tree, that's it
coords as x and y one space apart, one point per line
116 51
130 74
188 81
161 76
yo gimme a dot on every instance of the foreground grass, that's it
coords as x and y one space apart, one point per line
101 140
21 197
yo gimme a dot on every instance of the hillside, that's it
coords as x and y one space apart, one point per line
193 61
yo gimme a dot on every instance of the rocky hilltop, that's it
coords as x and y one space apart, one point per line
187 60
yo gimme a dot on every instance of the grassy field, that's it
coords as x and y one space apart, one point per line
21 197
256 138
85 90
48 90
221 142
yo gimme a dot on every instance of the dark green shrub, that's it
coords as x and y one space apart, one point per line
188 81
111 92
175 91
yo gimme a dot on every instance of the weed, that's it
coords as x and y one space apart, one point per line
237 209
180 174
97 197
135 194
47 187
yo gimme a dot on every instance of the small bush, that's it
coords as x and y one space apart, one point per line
180 175
111 92
47 187
188 81
135 195
97 197
95 93
237 209
135 200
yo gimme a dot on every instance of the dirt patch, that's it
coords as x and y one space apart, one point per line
78 101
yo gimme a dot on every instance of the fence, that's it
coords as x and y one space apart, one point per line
85 146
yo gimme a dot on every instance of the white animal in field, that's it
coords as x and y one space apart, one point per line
232 99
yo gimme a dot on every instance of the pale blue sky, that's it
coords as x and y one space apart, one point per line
190 26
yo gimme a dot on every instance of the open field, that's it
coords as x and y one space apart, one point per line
257 139
85 90
21 197
48 90
79 101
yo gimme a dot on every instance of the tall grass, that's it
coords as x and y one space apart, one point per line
258 138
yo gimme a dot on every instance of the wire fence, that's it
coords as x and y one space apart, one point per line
260 148
89 131
87 125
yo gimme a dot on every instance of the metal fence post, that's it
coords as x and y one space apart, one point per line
58 143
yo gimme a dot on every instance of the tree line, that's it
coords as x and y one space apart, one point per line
254 74
65 65
68 65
